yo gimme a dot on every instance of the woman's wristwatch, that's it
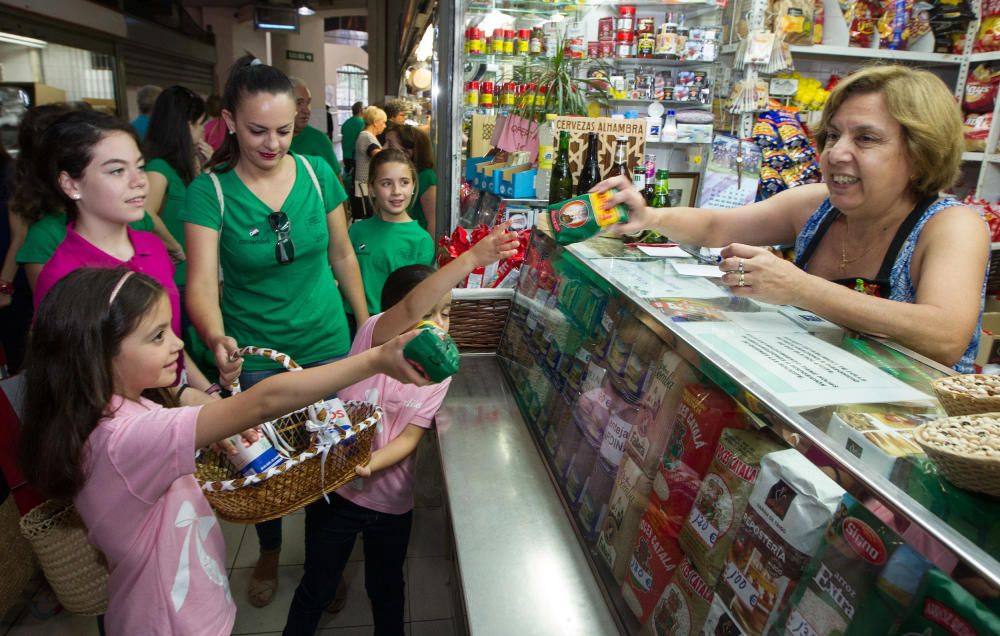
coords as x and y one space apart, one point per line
212 390
6 288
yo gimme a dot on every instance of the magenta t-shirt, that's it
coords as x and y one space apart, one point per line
390 490
150 258
144 510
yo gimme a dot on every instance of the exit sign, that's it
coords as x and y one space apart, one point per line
301 56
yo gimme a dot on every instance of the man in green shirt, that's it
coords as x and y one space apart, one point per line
349 132
307 140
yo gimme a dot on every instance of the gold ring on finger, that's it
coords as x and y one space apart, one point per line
739 267
742 281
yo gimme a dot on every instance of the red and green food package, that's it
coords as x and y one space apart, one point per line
859 582
703 413
655 557
944 608
584 216
861 17
683 606
718 509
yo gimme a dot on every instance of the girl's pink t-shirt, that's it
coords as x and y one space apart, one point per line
144 510
390 490
150 258
215 132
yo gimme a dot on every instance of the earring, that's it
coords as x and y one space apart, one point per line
76 197
232 132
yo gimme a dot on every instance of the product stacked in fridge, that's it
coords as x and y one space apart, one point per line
702 522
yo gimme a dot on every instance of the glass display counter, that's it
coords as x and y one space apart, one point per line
665 409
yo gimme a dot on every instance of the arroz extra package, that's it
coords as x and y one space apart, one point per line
789 509
944 608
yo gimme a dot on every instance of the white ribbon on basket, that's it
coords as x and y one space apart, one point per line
328 433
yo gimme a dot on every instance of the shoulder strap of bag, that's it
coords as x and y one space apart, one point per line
312 175
222 202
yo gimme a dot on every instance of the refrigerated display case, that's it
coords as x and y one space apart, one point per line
625 376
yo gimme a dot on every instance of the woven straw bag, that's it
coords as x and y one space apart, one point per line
319 457
77 572
18 562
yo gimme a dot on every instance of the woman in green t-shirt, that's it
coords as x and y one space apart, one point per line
275 224
174 149
417 146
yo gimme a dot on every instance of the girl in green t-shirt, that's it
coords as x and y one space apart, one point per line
417 146
175 150
274 224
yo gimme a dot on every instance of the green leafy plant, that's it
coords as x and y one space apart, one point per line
565 92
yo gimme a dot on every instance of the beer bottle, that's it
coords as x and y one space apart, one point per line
662 197
618 166
590 174
561 185
639 179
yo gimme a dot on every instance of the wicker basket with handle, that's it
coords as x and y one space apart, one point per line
969 394
965 449
478 317
318 458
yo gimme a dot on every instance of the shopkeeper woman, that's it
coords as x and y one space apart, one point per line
274 222
890 139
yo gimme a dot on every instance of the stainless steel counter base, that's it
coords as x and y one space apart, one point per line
522 568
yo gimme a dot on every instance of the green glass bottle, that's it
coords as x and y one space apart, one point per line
561 186
661 196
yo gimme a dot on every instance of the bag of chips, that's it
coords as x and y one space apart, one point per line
988 37
861 16
793 20
981 90
894 24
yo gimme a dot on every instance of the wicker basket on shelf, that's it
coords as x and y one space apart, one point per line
969 394
318 459
966 450
478 317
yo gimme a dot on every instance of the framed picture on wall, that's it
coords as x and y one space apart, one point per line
683 189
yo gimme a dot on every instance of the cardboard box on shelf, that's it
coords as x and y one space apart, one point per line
877 439
989 340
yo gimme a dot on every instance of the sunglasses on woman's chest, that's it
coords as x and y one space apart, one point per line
284 249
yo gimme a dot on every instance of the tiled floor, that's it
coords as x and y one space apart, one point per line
429 577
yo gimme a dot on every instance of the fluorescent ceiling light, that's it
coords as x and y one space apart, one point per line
277 27
10 38
305 9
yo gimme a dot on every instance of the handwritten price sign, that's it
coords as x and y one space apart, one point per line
745 591
708 533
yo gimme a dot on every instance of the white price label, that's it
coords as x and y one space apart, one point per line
745 591
797 626
703 527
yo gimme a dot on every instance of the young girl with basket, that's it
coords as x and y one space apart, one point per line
389 239
273 223
101 341
380 504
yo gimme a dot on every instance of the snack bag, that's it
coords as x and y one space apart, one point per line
629 499
944 608
988 37
855 585
793 20
861 17
783 525
683 606
701 416
655 556
716 514
582 217
819 17
894 24
981 90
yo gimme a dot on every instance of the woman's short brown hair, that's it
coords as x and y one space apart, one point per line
372 114
924 107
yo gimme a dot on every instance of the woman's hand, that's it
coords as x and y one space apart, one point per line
759 274
496 245
640 217
203 152
227 360
391 362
